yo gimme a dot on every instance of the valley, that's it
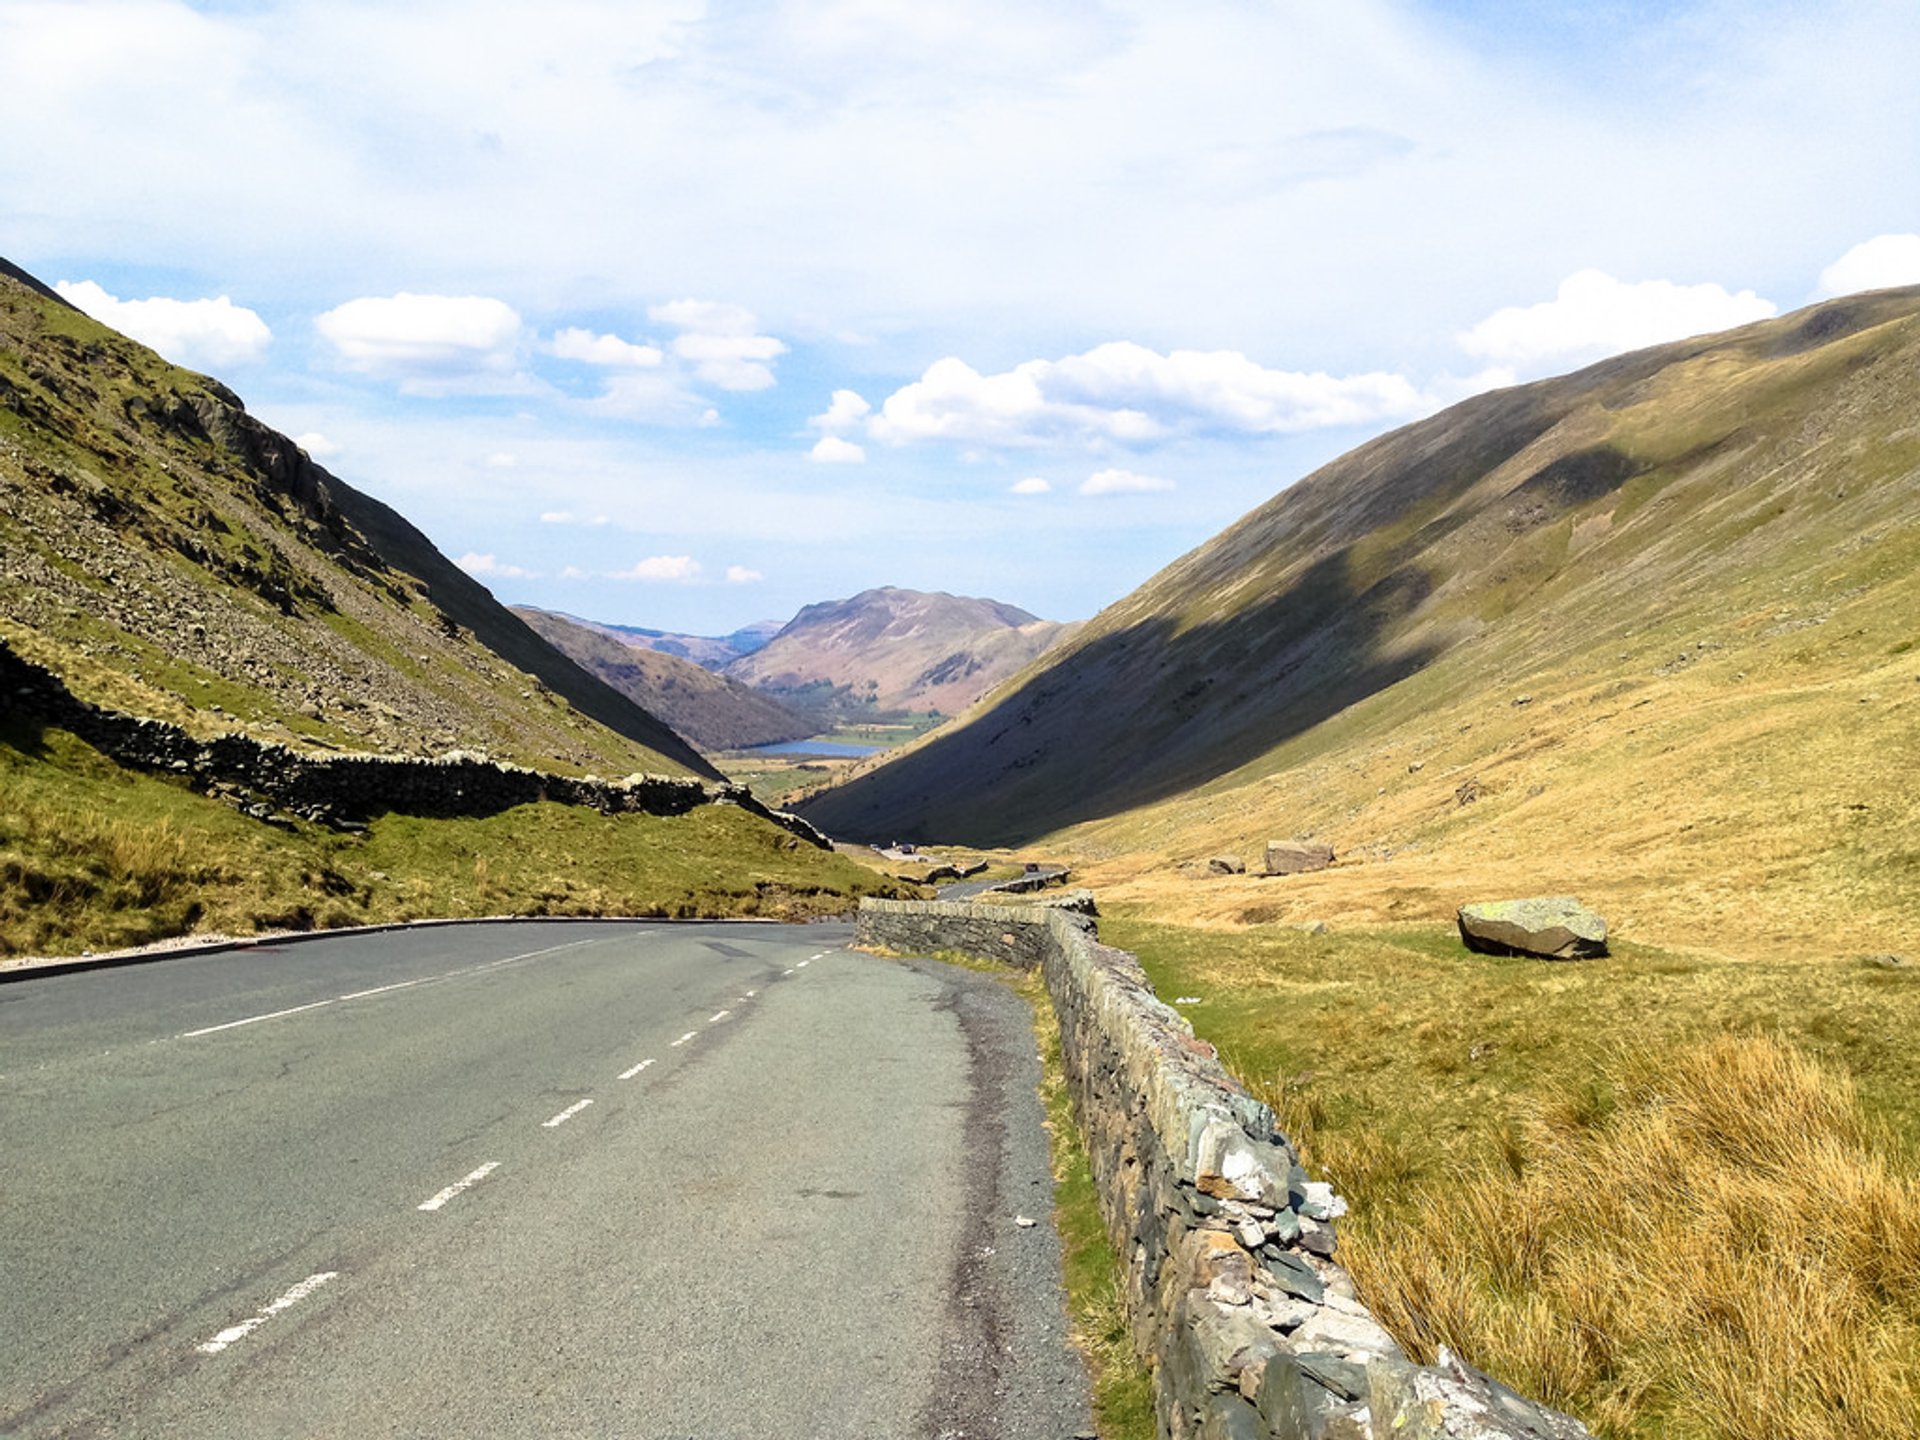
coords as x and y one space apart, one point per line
1644 634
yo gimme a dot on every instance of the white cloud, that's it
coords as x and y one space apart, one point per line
317 446
681 568
188 332
609 350
720 342
1594 315
1876 264
502 460
1122 482
491 567
1127 394
574 572
832 450
1032 485
845 411
427 342
741 575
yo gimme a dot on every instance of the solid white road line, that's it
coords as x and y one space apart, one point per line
254 1019
466 1182
629 1074
566 1114
684 1038
246 1327
383 989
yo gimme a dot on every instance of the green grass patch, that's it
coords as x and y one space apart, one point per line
93 856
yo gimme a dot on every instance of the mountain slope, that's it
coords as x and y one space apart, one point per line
168 554
900 650
1662 607
714 712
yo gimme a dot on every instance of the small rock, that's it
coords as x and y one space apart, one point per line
1226 865
1025 1222
1887 962
1519 700
1321 1202
1416 767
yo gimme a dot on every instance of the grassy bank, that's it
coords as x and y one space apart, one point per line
1678 1196
93 856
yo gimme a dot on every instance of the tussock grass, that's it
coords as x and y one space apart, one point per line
1678 1195
1721 1249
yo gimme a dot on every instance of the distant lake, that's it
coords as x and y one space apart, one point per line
824 749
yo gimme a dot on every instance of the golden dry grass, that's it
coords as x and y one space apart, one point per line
1677 1194
1722 1250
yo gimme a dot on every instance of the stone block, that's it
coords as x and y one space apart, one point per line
1297 857
1556 927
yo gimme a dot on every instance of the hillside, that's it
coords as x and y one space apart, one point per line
168 554
168 557
713 711
892 650
1646 632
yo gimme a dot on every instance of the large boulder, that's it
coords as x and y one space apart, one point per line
1297 857
1555 927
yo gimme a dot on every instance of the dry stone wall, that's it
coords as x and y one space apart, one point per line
345 788
1253 1329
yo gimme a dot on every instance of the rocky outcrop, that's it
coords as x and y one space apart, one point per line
1297 857
263 778
1232 1290
1555 927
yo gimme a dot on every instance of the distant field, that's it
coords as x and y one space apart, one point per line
1678 1194
783 779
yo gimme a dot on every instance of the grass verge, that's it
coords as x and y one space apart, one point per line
94 856
1679 1197
1095 1281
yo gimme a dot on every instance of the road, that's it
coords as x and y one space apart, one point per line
603 1179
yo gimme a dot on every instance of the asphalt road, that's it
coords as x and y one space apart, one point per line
611 1179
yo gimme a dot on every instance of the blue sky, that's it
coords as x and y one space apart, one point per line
688 314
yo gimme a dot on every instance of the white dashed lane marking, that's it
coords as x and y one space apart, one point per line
466 1182
629 1074
715 1019
286 1302
684 1038
566 1114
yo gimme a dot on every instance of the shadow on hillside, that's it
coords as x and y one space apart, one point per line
1146 713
